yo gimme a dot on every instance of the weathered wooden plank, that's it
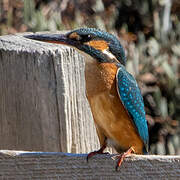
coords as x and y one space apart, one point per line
42 98
40 165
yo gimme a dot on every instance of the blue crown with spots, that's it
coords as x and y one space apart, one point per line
115 46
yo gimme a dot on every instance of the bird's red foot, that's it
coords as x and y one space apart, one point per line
100 151
121 157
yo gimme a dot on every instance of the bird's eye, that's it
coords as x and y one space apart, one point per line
86 38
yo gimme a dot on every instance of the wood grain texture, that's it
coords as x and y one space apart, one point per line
40 165
42 98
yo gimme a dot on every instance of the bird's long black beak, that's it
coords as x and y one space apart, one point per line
51 38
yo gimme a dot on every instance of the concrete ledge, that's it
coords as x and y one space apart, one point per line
51 165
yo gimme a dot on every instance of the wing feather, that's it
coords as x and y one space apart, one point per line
132 100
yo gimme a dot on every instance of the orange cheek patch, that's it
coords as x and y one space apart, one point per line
74 35
98 44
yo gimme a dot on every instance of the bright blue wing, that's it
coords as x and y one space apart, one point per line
132 100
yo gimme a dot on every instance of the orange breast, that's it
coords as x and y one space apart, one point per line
108 111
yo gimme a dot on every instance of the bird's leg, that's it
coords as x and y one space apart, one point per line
121 157
100 151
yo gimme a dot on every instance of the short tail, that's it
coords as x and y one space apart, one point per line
145 150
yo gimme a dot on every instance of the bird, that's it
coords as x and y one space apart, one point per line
113 94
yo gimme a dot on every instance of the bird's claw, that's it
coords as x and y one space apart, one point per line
121 157
91 154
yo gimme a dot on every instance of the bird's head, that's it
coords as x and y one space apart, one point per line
102 46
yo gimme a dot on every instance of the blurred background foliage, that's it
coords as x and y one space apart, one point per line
149 30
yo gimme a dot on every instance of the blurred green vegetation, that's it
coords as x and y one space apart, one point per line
149 30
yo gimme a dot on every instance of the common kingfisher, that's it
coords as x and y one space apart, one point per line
113 93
